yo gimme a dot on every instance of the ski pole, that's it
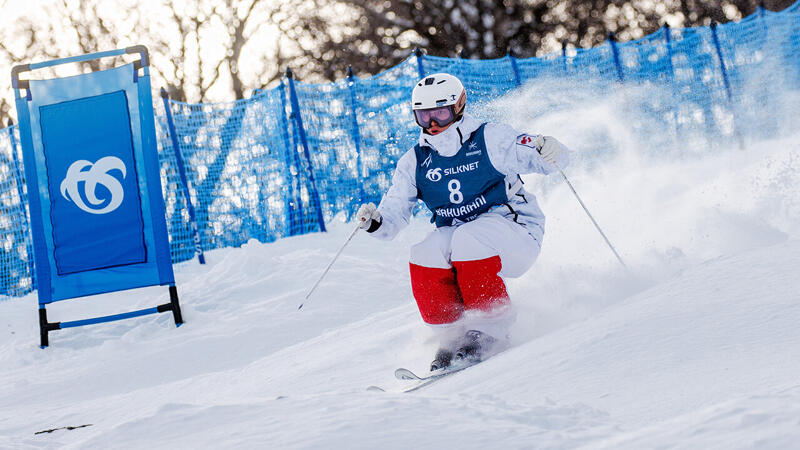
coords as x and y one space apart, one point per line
590 216
353 233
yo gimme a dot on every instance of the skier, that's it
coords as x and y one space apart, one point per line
487 226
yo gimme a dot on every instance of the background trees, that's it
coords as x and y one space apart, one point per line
490 28
207 50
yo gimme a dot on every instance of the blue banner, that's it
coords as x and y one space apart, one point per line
91 165
93 185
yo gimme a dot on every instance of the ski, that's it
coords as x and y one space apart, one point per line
469 356
407 375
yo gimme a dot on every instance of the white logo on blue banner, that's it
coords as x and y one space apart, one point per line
97 173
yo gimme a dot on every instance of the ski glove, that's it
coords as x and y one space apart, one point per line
368 217
549 148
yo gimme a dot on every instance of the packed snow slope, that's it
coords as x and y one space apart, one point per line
696 346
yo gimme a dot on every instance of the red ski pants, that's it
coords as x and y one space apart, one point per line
460 268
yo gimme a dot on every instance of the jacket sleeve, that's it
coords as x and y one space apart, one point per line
513 152
399 201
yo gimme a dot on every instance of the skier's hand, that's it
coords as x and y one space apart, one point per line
368 217
549 148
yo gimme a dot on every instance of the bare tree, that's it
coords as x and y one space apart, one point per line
204 50
68 28
385 31
198 49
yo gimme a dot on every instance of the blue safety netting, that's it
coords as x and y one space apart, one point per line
17 276
288 160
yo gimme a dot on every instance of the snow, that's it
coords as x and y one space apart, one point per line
695 347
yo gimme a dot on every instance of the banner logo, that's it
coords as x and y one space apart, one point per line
434 174
97 173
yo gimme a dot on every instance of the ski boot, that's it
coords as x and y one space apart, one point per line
442 360
476 345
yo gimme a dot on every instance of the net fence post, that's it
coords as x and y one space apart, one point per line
514 67
761 10
564 56
198 246
420 68
612 40
668 43
313 192
726 82
351 82
294 209
718 48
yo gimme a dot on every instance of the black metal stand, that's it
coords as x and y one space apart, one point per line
46 327
173 305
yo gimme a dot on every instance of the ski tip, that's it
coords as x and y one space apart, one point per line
300 307
376 389
405 374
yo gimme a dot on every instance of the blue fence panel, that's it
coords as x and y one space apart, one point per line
271 165
16 254
386 126
241 172
176 210
327 116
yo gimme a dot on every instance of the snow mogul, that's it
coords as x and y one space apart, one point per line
488 227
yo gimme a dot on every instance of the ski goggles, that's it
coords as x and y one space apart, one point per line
443 115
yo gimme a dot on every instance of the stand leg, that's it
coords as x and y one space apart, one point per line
176 307
43 330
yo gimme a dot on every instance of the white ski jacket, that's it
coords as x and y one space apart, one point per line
512 153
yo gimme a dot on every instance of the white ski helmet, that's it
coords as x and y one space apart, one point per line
438 92
433 91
